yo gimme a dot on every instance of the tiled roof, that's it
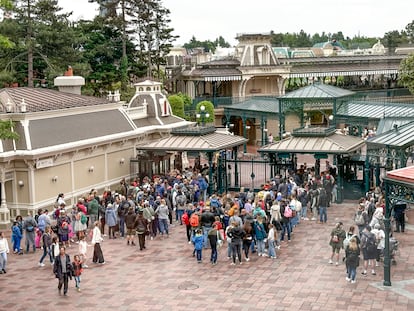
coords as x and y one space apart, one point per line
405 174
37 99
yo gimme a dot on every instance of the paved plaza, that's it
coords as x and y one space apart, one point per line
165 276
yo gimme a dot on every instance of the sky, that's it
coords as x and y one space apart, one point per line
207 20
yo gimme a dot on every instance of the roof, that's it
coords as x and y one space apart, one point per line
212 142
405 175
40 99
400 137
257 104
333 144
317 91
375 110
388 123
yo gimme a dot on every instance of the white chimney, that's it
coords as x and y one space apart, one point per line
70 83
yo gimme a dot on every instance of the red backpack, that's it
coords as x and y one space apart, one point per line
194 220
185 218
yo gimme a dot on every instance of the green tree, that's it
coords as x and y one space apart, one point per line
177 105
188 102
209 108
5 6
406 73
6 130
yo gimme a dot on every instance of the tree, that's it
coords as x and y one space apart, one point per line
406 73
6 130
5 5
177 105
209 108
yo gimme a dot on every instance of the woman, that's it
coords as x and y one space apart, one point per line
80 226
336 241
63 228
236 234
130 225
96 241
110 220
369 249
4 250
247 239
352 259
271 241
260 234
17 237
141 225
162 211
47 243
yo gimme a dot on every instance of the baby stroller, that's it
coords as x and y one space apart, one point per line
393 249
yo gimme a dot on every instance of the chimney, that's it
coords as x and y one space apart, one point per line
69 83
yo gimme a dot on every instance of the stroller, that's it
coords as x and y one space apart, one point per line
393 250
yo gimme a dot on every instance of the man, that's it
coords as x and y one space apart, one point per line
93 209
43 221
181 202
29 226
207 220
62 269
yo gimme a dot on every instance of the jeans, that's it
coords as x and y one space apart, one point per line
30 239
122 226
229 249
322 214
77 281
352 273
213 257
271 248
163 224
236 249
304 211
285 229
179 214
199 254
260 246
16 244
3 261
206 242
46 251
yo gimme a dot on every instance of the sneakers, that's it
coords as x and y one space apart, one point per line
273 257
373 273
240 263
232 264
247 259
41 264
348 279
85 266
330 261
353 281
259 254
78 289
265 255
336 263
364 273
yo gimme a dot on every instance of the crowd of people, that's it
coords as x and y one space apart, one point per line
249 222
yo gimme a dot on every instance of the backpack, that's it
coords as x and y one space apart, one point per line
371 242
359 219
214 203
181 199
347 240
141 227
335 239
83 219
194 220
323 198
185 218
64 225
287 212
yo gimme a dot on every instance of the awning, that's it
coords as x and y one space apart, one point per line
343 73
204 143
222 78
405 175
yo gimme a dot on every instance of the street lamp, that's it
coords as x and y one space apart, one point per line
203 115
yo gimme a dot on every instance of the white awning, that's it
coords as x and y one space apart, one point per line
222 78
343 73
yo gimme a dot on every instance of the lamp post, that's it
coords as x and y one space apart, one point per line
203 115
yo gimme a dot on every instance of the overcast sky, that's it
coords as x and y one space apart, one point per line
207 20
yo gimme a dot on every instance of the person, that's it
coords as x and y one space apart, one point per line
352 252
110 220
236 234
4 250
380 237
77 271
80 223
129 220
83 251
338 236
247 239
207 219
197 240
96 241
399 216
141 225
55 248
47 242
43 221
271 240
162 211
214 237
323 204
270 138
369 249
62 269
63 228
16 238
29 226
361 218
285 222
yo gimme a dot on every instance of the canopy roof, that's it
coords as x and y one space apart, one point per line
399 137
404 175
375 110
210 142
316 142
266 105
317 91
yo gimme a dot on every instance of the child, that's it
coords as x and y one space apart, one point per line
83 247
77 271
271 240
55 251
198 244
16 238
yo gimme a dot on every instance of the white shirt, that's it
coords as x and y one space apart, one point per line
4 246
96 236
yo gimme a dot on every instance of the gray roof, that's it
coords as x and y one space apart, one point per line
333 144
39 99
317 91
375 110
386 124
257 104
399 137
212 142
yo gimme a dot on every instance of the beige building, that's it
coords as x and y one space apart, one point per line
71 143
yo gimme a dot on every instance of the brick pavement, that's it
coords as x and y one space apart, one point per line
167 277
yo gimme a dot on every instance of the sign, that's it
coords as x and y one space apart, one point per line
320 155
44 163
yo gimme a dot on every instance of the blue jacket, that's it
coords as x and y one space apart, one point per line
16 233
259 231
110 217
198 241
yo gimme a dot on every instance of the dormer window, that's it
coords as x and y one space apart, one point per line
163 103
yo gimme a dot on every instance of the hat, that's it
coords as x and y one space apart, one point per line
377 226
109 205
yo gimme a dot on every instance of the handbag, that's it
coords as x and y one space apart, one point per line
219 240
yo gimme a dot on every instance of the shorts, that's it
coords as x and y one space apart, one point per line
336 248
130 231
